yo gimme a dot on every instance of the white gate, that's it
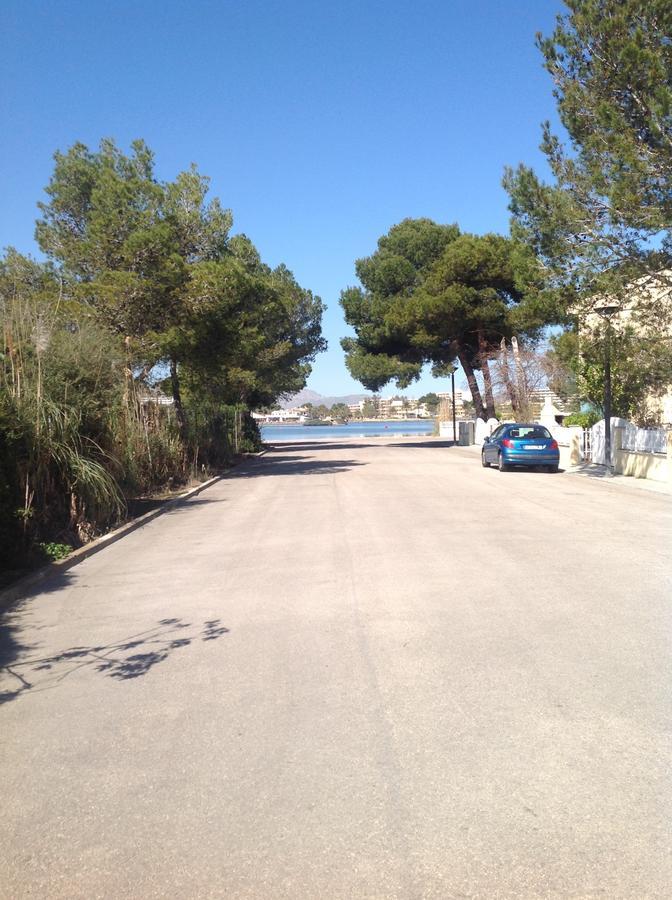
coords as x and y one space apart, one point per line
587 445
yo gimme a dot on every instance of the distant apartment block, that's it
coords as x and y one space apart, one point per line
390 407
447 397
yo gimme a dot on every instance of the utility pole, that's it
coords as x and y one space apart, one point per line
607 310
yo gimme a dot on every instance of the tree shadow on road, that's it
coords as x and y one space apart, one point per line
436 444
381 440
319 445
592 470
528 470
10 650
128 658
296 465
188 506
12 647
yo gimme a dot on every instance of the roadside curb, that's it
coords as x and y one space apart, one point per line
16 591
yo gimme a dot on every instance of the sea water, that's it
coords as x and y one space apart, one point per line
382 428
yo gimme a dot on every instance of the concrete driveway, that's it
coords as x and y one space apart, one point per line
354 670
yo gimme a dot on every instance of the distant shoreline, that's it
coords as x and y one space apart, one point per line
349 422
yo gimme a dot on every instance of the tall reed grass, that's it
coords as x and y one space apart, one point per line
79 434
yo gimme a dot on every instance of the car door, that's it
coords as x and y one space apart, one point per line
492 447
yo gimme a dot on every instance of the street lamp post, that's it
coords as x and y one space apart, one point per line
606 310
452 386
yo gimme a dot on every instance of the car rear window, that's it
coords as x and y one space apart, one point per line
530 433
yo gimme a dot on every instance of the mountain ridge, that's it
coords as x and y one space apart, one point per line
308 396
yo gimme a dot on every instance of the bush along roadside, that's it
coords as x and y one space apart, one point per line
130 359
61 487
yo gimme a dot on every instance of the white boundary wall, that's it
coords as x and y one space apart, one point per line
634 439
644 440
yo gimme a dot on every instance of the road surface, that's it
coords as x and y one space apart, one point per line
354 670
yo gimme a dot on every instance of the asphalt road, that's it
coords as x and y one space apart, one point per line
354 670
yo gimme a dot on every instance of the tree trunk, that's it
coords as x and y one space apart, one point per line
128 374
487 383
487 378
523 395
508 381
177 399
473 386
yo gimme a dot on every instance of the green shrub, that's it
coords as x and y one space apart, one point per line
582 419
12 526
55 551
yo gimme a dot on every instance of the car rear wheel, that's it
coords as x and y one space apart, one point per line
552 469
501 465
484 462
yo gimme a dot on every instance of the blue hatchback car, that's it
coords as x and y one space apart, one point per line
521 445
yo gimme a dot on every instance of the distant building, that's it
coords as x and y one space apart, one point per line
539 398
281 415
447 397
384 407
155 395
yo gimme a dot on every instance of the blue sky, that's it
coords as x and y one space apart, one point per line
320 124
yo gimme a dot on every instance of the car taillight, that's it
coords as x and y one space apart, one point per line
507 443
554 445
